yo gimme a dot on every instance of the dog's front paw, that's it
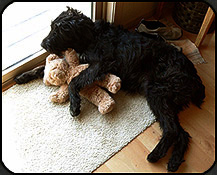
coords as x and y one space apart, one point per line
75 103
74 111
22 79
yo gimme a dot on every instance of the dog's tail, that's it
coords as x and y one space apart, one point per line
198 93
35 73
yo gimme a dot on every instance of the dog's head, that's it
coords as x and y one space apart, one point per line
71 29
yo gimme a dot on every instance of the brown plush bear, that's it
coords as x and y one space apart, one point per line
59 72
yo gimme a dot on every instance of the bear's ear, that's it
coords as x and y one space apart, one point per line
51 57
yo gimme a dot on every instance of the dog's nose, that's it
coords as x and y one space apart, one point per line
43 44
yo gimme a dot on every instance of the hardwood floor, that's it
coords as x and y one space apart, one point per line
200 123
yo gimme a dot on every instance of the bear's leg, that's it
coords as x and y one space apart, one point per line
98 97
111 82
61 96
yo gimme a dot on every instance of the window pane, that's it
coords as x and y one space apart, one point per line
25 24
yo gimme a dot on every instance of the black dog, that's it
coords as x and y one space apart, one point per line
155 69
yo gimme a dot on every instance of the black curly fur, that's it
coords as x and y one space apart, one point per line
25 77
155 69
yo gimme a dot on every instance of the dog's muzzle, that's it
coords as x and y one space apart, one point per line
45 44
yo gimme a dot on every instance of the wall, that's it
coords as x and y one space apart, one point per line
129 14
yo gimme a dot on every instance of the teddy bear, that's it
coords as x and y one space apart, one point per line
59 72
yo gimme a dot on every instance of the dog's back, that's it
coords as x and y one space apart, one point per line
138 59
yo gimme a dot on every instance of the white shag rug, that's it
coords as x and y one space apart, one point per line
40 136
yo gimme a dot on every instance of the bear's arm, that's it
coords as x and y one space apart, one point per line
76 71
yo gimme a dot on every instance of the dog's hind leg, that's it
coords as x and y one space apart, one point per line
166 114
180 146
168 123
161 103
